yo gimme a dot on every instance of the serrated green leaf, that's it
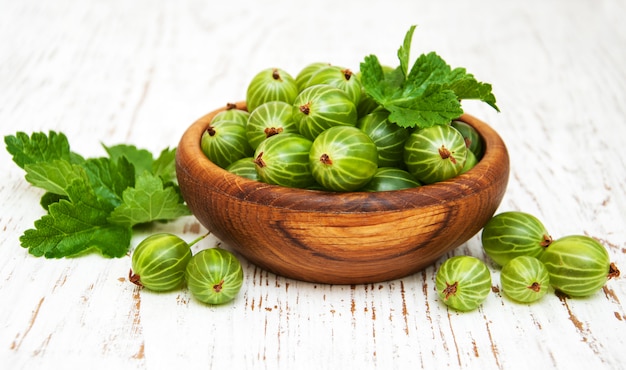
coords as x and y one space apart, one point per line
77 225
435 106
110 178
404 53
141 159
39 147
148 201
165 165
53 176
429 94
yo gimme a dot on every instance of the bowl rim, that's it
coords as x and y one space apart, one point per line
191 158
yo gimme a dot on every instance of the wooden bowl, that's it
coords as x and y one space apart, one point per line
341 238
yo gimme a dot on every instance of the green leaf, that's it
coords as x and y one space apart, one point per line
77 225
140 158
434 106
50 198
165 166
148 201
110 178
37 148
404 53
428 94
54 176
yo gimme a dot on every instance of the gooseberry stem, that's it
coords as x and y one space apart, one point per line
199 238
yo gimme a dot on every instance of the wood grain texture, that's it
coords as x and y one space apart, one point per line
341 238
140 72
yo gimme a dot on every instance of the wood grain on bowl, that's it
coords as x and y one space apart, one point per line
341 238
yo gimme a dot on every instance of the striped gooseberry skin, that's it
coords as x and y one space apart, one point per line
284 160
388 137
343 158
525 279
578 265
268 119
214 276
511 234
224 142
320 107
244 167
473 141
159 262
435 153
339 77
270 84
231 113
304 76
463 282
390 178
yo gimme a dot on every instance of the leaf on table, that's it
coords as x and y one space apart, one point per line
54 176
142 159
110 177
39 147
165 165
77 225
148 201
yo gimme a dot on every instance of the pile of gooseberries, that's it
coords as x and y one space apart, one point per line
164 262
531 263
319 130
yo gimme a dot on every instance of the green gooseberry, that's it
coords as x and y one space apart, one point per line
463 282
214 276
525 279
511 234
268 85
578 265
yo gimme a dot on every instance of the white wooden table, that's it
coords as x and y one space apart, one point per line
140 72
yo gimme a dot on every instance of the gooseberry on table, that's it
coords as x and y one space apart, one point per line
525 279
214 276
578 265
511 234
463 282
159 261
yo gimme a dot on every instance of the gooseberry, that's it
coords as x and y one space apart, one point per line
320 107
578 265
284 160
159 261
463 282
339 77
472 138
390 178
244 167
343 158
511 234
525 279
435 153
268 85
268 119
224 142
214 276
388 137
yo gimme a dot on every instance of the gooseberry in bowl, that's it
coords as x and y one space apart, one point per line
347 237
